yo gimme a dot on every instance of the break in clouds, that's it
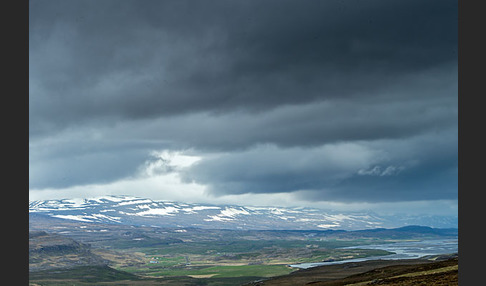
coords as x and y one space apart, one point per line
340 101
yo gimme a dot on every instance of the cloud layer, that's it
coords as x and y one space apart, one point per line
344 101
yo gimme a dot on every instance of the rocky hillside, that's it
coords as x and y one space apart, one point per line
48 251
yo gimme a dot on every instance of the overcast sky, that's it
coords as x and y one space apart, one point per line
333 104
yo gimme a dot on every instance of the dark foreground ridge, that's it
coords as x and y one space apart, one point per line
439 270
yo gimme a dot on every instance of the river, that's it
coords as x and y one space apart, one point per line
402 250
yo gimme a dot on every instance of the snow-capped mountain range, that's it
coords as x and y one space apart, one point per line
142 211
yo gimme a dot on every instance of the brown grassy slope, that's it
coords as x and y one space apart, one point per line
435 273
377 272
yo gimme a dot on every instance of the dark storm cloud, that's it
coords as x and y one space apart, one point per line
419 168
132 59
433 108
267 92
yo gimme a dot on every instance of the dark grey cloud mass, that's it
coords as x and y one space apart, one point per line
418 168
340 100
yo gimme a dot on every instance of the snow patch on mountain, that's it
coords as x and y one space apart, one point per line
217 218
124 203
328 225
232 212
160 211
228 214
73 217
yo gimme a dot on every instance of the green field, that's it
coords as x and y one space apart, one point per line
241 246
228 271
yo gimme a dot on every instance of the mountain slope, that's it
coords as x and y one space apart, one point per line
54 251
142 211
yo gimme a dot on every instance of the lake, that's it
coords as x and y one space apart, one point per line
402 250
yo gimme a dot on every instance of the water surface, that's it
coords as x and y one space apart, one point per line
402 250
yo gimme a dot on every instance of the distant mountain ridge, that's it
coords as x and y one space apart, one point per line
143 211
